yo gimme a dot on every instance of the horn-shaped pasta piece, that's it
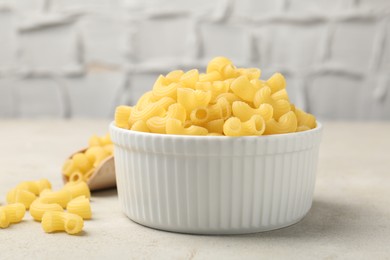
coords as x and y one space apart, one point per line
191 99
234 127
250 73
305 119
286 124
157 124
276 82
177 111
82 162
11 213
145 100
53 221
281 94
258 83
80 206
4 221
122 115
216 88
175 126
230 71
211 76
202 115
34 186
140 126
69 167
280 107
218 64
244 112
163 88
61 197
175 75
230 97
96 154
157 108
22 196
243 88
215 126
38 208
225 107
189 79
78 189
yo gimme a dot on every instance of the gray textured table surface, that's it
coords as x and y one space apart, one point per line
349 219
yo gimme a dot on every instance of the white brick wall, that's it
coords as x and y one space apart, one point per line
81 58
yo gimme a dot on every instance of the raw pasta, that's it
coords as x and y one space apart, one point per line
96 154
243 88
34 186
280 106
152 109
78 189
53 221
250 73
254 126
81 164
140 126
162 89
224 100
244 112
11 213
4 221
175 75
61 197
80 206
230 97
215 126
276 82
189 79
176 127
76 177
305 119
68 168
122 115
158 124
38 208
211 76
22 196
191 99
286 124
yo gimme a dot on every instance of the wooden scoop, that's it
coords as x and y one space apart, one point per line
104 175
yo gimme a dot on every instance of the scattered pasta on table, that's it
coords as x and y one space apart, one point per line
48 206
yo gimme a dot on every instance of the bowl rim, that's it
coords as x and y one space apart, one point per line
318 128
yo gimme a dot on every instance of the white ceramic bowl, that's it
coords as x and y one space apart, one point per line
215 184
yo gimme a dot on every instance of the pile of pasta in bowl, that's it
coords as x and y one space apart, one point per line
224 101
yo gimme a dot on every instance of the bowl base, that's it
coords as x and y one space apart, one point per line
235 231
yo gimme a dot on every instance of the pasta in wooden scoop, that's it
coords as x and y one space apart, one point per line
93 165
101 177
